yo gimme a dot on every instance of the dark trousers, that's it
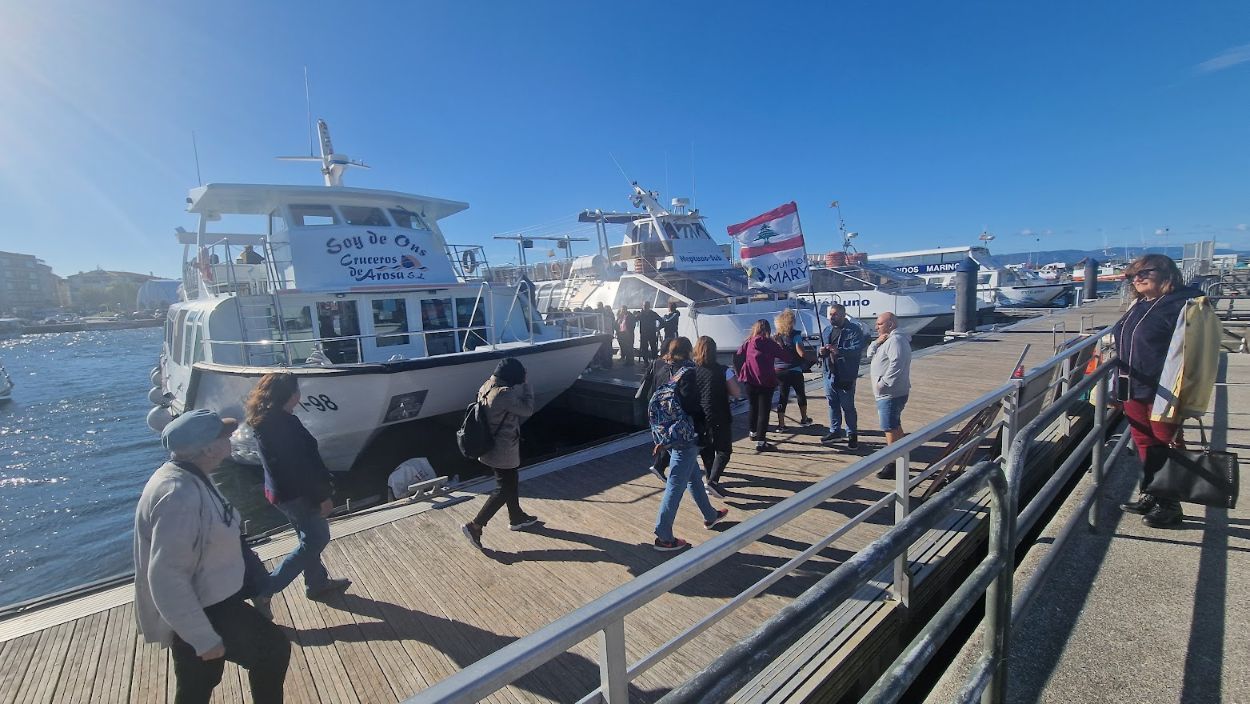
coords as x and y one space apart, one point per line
648 346
760 398
791 379
627 347
507 492
252 642
715 454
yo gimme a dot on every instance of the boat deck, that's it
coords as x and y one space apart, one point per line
424 603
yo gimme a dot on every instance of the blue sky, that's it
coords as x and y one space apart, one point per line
928 121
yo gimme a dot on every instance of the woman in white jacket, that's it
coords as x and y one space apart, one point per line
189 570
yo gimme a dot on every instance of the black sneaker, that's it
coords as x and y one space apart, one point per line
852 442
670 545
886 472
473 533
828 438
329 589
263 604
658 473
764 446
1165 514
720 515
525 523
1142 506
805 421
714 489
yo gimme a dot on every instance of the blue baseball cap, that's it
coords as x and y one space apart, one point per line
195 429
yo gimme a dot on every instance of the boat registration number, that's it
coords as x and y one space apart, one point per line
318 402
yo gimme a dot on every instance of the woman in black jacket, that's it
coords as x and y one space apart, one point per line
1142 337
715 385
297 482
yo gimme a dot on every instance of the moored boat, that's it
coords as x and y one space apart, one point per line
357 293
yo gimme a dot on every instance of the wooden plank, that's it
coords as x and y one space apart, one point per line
16 656
47 660
83 659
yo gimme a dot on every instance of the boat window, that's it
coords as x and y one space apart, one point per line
408 219
312 215
632 292
188 336
471 313
297 329
390 317
176 347
983 279
339 329
436 315
197 340
363 215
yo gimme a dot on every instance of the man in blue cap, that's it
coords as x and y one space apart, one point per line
189 569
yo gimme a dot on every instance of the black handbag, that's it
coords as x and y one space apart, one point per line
1207 477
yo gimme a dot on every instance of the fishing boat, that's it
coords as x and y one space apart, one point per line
666 256
868 289
358 294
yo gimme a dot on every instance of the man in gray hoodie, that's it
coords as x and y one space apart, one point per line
189 569
890 356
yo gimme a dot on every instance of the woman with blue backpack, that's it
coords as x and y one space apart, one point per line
679 425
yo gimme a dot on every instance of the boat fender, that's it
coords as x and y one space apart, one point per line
155 376
158 397
158 418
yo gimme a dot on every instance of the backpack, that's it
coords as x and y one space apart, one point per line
475 438
670 424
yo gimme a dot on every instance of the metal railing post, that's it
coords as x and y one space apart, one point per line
1066 370
613 678
1096 454
998 595
901 590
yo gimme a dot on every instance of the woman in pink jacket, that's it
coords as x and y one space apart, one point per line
756 358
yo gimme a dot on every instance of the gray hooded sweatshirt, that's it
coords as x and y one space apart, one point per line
891 365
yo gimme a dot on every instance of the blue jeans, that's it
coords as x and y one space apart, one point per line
313 532
841 406
683 475
890 412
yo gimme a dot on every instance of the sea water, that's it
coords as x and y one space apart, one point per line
75 451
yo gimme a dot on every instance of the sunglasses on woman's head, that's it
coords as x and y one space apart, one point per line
1140 274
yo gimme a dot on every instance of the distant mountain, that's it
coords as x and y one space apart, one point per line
1072 256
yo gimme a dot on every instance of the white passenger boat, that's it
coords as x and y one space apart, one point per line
667 256
357 293
996 283
868 289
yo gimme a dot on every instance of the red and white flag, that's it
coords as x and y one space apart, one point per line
772 249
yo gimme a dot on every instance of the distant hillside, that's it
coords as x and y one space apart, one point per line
1072 256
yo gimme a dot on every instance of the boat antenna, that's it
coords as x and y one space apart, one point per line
666 188
693 190
846 236
196 149
312 144
620 168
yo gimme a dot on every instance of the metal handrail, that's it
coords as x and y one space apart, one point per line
606 615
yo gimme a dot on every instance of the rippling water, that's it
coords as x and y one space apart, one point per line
75 451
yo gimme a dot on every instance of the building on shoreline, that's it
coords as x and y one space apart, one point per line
28 286
103 288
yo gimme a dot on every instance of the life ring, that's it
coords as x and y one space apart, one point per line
468 260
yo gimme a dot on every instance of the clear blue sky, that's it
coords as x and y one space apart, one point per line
928 121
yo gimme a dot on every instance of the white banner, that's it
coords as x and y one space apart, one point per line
341 258
773 252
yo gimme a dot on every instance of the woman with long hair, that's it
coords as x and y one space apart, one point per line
509 400
658 374
716 385
790 370
297 482
683 462
1142 338
759 355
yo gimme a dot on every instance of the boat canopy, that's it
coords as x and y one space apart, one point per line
262 199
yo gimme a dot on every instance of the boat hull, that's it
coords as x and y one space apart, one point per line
345 406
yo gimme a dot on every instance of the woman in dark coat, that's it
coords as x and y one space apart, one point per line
509 400
1142 337
297 482
715 388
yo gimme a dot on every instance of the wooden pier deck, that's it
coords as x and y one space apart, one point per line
425 604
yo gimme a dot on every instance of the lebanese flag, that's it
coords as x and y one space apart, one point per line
775 231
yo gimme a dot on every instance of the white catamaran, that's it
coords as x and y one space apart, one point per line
356 292
667 256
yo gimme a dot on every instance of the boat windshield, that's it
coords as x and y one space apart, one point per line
707 285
